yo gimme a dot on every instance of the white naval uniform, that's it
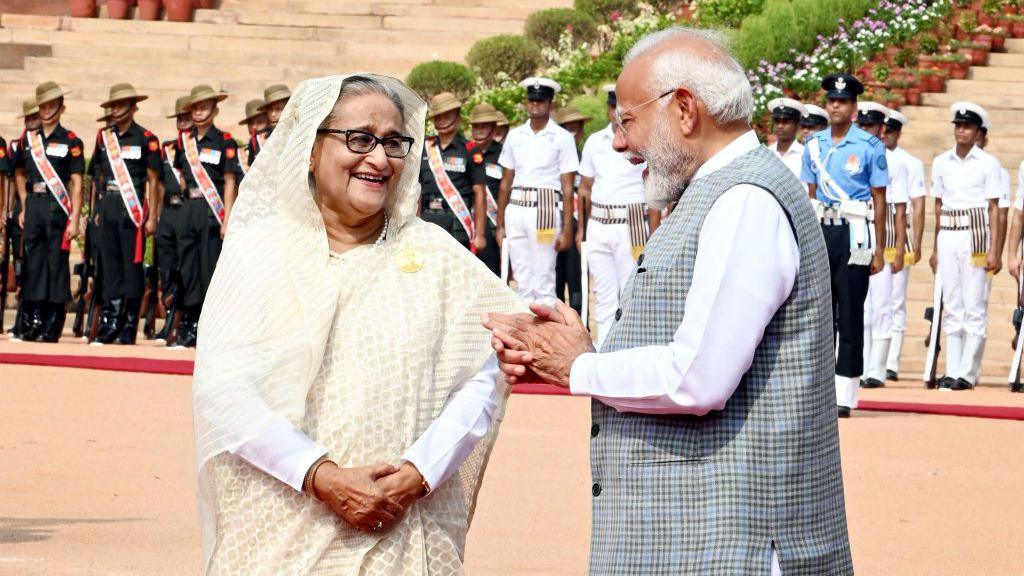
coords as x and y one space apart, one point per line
793 158
539 160
900 280
963 184
878 306
617 181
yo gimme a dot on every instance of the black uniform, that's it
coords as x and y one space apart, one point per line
47 287
491 255
121 243
13 231
168 232
254 144
465 169
199 243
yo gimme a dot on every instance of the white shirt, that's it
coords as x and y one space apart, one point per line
286 453
915 174
616 180
968 182
540 158
793 158
1004 186
897 192
746 265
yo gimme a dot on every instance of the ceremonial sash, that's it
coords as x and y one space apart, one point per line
203 180
49 174
976 221
638 229
121 176
492 207
258 140
890 238
857 213
448 191
168 150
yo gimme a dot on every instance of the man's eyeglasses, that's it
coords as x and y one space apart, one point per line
359 142
620 123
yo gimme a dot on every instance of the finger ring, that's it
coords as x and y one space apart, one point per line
378 526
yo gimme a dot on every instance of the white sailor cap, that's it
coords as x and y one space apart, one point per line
612 99
786 108
814 115
540 88
870 113
970 112
896 120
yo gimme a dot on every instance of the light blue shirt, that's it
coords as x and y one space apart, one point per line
857 164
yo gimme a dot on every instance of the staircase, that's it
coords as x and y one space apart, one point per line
240 48
999 88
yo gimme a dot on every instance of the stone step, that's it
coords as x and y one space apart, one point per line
944 129
1010 59
1013 102
966 89
940 112
994 74
931 144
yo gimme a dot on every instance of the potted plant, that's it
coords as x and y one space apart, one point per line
906 58
932 80
966 25
1016 25
983 36
989 13
149 9
118 9
178 10
202 4
881 73
999 39
83 8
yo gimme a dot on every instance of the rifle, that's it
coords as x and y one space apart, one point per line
150 299
8 248
1018 340
933 314
84 271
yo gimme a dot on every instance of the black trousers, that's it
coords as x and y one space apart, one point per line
569 275
198 250
491 254
849 290
47 271
168 231
120 245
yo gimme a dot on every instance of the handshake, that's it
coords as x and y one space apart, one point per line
368 498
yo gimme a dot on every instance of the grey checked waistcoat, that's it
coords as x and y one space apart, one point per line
689 495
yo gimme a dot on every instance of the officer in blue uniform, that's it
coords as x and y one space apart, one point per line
846 173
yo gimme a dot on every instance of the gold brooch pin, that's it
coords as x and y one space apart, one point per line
409 260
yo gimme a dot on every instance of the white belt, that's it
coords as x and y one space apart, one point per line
520 195
608 212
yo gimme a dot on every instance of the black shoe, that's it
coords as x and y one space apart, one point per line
130 330
1017 387
962 384
114 314
892 376
844 411
165 330
872 383
946 383
53 326
34 322
187 335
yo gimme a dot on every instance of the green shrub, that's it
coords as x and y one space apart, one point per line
516 56
431 78
755 41
602 10
905 58
786 24
782 19
928 43
547 26
727 13
594 106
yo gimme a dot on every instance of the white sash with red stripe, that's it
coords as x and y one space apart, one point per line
53 181
121 176
448 190
168 150
203 180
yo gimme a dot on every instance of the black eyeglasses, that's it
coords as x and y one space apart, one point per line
360 142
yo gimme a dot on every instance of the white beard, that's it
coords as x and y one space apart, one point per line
669 169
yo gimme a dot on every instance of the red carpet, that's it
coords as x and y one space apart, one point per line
184 368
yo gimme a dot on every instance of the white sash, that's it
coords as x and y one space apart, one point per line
857 213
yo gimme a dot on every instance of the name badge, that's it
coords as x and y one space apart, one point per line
209 156
494 171
57 150
455 164
131 152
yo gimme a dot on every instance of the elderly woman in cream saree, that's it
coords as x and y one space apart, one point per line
346 397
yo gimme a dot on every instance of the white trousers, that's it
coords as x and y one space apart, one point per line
965 287
900 281
878 306
610 259
532 263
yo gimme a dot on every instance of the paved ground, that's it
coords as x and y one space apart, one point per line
97 477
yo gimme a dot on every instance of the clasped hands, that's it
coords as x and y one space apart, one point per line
368 498
541 346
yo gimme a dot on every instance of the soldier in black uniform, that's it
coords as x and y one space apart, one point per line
501 128
170 224
256 122
568 268
203 233
275 98
30 114
483 122
92 227
122 243
464 168
48 224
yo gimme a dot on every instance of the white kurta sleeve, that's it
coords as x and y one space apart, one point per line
746 265
283 451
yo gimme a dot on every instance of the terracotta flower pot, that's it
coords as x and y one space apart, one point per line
202 4
985 39
1017 30
933 83
913 96
998 43
178 10
118 9
959 70
83 8
149 9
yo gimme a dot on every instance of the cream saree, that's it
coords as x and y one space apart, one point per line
360 351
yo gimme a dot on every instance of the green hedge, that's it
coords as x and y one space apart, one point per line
431 78
516 56
594 106
602 10
545 27
784 25
728 13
